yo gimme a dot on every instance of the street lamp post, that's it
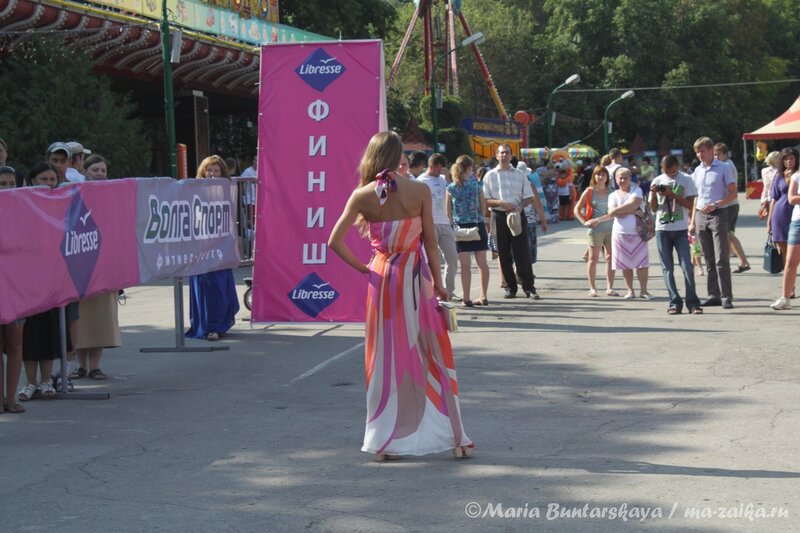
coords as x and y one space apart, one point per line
169 99
475 38
625 96
575 78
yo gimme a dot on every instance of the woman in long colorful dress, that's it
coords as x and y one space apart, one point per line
412 391
213 302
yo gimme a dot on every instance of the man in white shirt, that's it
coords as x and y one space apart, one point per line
721 154
77 155
508 190
445 235
716 189
418 160
672 195
249 189
616 161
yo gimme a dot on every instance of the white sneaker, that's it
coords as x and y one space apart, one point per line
781 304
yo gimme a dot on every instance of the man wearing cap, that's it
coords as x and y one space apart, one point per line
508 190
77 155
58 155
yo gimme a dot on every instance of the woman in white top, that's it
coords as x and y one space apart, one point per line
772 160
628 250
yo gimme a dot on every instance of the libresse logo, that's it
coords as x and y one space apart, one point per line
81 244
320 70
312 295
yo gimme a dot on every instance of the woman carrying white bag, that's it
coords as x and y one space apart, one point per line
465 207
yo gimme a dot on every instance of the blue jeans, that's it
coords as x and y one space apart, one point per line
666 241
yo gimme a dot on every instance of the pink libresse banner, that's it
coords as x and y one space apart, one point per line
319 105
60 245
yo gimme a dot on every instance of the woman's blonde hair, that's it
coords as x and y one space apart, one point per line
383 151
605 160
213 160
773 159
596 172
460 169
622 171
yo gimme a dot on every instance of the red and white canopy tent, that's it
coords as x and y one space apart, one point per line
786 126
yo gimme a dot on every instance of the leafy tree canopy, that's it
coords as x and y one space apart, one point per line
532 46
52 95
352 19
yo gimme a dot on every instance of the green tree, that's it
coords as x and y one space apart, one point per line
661 44
350 19
55 96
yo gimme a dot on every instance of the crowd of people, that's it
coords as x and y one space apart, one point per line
33 344
693 205
416 214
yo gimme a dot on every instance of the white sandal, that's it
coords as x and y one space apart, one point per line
26 394
47 390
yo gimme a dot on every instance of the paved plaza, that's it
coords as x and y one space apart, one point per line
589 414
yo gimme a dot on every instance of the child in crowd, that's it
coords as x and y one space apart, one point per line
41 338
697 255
551 199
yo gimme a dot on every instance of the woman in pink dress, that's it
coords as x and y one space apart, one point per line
412 391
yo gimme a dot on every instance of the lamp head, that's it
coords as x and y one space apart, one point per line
626 95
575 78
475 38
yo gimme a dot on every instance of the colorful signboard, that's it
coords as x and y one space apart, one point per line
319 105
249 21
58 246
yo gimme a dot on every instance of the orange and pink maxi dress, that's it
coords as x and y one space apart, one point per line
412 391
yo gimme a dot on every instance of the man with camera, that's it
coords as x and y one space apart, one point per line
672 195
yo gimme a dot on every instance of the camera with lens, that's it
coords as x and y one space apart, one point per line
661 188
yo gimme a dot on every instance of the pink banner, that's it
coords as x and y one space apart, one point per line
319 105
57 246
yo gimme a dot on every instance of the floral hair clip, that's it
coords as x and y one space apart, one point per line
385 183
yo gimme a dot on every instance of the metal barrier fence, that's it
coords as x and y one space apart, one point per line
246 210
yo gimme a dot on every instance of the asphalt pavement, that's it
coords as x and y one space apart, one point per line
589 414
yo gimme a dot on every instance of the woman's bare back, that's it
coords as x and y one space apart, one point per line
405 202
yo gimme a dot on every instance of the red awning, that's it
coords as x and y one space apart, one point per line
786 126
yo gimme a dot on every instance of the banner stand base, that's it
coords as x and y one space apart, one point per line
179 347
82 396
184 349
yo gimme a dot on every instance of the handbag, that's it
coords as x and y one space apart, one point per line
645 223
589 209
448 311
773 261
467 234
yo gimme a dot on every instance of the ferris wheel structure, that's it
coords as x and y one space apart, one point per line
439 36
